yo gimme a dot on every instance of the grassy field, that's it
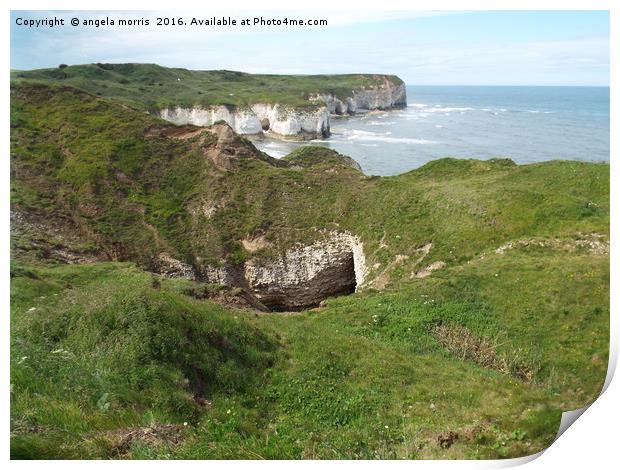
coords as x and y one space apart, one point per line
152 87
477 359
108 352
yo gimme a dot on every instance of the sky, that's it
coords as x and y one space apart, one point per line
423 48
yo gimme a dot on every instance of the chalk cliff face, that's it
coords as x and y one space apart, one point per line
301 277
389 96
304 276
278 120
243 121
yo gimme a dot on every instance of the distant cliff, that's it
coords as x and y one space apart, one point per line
290 106
281 120
274 119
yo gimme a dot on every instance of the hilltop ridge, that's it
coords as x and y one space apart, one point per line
280 105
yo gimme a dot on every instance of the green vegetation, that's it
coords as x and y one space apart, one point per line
104 345
108 360
306 157
152 87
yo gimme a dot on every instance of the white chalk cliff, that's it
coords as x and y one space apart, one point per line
388 96
302 276
285 121
258 118
305 275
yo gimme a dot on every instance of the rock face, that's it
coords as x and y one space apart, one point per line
303 276
278 120
275 120
389 96
173 268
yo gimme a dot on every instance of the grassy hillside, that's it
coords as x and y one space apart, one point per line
108 363
485 314
152 87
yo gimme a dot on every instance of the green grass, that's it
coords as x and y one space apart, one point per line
152 87
98 347
102 352
309 156
322 384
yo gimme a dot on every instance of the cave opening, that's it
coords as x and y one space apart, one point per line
336 279
265 124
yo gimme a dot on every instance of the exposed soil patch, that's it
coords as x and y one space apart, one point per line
175 132
594 243
154 435
381 281
445 440
425 272
255 244
37 236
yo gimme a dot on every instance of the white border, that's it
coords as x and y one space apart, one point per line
590 442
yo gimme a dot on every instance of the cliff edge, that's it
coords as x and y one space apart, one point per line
281 106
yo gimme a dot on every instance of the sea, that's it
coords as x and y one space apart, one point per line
526 124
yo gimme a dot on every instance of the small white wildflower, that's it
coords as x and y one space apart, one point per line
387 427
432 406
185 423
32 309
227 412
56 351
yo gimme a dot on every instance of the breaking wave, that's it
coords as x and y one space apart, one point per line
359 135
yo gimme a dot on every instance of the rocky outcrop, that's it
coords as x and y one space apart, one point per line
388 96
224 275
219 144
302 276
171 267
287 121
274 120
277 120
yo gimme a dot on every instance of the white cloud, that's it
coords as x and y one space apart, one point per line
358 48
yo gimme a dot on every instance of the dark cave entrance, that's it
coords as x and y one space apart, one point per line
338 278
